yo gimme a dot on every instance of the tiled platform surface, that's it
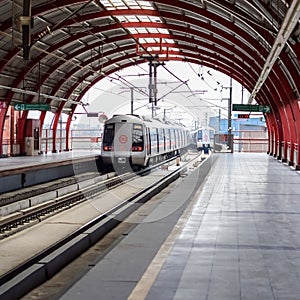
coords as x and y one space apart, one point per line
241 240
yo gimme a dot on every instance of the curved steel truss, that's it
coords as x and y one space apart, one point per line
54 51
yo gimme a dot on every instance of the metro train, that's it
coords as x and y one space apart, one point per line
138 142
203 138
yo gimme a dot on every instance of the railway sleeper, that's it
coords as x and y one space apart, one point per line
8 222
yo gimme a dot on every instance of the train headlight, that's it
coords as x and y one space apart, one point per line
107 148
137 148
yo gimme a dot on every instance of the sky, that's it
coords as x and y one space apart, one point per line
187 92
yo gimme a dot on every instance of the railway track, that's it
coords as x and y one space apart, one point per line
14 222
46 263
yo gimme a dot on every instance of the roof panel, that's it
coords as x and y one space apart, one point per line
72 35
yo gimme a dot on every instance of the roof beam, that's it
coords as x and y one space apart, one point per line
288 24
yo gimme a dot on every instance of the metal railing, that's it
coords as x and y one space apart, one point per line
90 139
243 141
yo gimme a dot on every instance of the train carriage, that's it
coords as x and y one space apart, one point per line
204 138
137 142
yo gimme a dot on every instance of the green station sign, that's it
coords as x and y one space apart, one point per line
32 106
251 108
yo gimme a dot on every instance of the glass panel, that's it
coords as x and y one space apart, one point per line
108 137
137 137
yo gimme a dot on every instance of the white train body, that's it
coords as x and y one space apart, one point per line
137 141
204 138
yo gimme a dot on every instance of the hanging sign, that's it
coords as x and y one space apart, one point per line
102 118
250 107
32 106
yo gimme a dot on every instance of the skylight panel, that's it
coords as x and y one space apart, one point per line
131 3
107 4
150 40
122 19
124 4
162 30
141 30
145 5
153 30
132 30
155 19
169 41
132 19
142 19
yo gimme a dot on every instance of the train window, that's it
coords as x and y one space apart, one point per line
167 139
181 138
177 137
199 135
108 137
161 139
172 138
148 141
137 138
153 139
164 137
157 139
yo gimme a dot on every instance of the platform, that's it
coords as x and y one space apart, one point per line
238 238
23 171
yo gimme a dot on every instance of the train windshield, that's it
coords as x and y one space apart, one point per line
137 138
199 135
108 136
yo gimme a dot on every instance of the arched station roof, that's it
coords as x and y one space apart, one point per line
54 51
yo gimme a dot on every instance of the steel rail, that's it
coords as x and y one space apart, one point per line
107 221
33 213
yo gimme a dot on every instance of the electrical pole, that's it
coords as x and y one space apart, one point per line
131 100
229 139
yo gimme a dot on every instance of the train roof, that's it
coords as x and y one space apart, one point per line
149 121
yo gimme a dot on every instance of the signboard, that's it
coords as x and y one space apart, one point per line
102 118
251 108
92 115
264 108
32 106
244 107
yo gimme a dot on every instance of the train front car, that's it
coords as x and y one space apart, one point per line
123 145
204 138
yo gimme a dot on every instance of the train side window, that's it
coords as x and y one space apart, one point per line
149 141
199 135
180 138
161 140
137 138
175 140
164 137
157 139
108 137
172 138
153 138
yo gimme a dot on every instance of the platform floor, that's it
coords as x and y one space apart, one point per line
16 162
239 238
